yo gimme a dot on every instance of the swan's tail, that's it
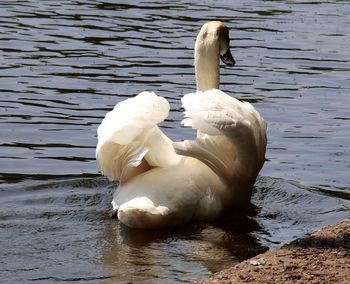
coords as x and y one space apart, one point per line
129 140
231 136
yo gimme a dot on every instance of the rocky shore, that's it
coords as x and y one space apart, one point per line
320 257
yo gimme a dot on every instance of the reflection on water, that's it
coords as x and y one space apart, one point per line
64 64
191 249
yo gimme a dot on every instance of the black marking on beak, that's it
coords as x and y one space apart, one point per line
114 214
227 58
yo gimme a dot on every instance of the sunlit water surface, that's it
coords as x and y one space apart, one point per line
64 64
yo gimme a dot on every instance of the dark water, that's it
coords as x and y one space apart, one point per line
64 64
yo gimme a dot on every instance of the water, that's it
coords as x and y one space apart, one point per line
64 64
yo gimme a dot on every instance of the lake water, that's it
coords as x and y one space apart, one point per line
64 64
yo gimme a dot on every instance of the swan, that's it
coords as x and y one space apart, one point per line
165 183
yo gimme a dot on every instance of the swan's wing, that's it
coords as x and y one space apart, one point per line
232 135
129 140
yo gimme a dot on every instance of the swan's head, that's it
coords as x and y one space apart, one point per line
213 40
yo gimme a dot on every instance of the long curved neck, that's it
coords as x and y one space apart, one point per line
206 66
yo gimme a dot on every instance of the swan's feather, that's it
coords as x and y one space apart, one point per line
217 153
129 140
130 117
226 127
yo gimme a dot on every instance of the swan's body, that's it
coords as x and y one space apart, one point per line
162 183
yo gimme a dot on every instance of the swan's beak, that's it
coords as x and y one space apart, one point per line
114 214
227 58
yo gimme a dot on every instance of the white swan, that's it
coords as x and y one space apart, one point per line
162 183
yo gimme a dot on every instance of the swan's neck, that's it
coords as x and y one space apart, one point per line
206 66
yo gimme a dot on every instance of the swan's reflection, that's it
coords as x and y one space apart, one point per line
189 251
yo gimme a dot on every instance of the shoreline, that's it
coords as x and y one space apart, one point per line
320 257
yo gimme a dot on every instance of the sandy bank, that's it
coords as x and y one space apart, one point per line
321 257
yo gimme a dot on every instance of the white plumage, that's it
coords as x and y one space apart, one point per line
162 183
129 133
235 134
